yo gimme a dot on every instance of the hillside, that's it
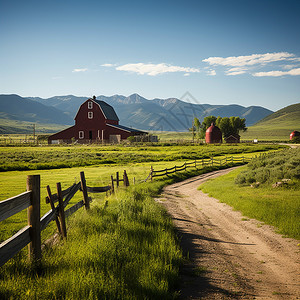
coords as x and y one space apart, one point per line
276 126
14 107
158 114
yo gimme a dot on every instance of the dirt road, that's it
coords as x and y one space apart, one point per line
230 256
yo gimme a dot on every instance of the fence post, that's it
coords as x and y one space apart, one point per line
125 178
232 159
175 169
53 208
84 191
61 211
117 179
212 161
151 173
112 184
33 184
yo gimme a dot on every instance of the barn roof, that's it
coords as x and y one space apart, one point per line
107 110
126 128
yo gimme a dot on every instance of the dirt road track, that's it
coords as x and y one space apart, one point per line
230 256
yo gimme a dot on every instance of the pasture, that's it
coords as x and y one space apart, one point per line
123 249
39 158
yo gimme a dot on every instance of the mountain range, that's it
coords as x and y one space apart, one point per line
134 111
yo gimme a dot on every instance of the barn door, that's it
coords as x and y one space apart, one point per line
90 135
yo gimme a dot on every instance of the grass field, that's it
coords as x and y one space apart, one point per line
279 207
124 250
277 126
38 158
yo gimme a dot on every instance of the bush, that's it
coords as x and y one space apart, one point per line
272 167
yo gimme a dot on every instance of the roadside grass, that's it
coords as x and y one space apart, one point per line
278 207
49 157
124 250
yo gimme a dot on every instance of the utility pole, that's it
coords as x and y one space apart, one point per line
34 133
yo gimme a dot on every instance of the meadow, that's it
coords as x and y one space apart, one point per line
125 246
47 157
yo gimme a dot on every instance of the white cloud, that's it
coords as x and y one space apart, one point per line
293 72
235 71
107 65
249 60
155 69
79 70
211 73
186 74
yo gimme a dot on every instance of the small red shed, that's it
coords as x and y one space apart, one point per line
213 135
95 121
295 133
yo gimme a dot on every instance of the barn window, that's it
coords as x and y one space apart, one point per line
90 105
81 134
90 115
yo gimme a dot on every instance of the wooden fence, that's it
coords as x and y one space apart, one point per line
31 234
197 163
31 199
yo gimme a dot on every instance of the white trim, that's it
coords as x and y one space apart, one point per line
90 105
81 134
90 115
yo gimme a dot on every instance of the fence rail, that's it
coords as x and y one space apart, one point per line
203 162
31 234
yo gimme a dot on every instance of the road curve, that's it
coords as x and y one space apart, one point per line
229 256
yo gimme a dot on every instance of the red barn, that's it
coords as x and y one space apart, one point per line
95 121
213 135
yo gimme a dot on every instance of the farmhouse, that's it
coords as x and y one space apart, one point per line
95 121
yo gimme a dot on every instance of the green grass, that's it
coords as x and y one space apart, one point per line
278 207
272 167
125 250
277 126
41 158
12 127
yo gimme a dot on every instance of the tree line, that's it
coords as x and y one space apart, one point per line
228 126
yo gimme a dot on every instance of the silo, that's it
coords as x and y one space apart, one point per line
213 135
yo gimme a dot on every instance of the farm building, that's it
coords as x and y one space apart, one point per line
95 121
233 138
295 133
213 135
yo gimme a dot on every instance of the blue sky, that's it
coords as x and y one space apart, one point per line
221 52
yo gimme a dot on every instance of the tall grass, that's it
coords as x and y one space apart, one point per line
124 250
272 167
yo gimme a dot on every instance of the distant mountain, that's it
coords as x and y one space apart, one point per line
134 111
158 114
14 107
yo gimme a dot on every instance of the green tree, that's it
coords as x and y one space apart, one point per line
205 124
228 126
197 126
